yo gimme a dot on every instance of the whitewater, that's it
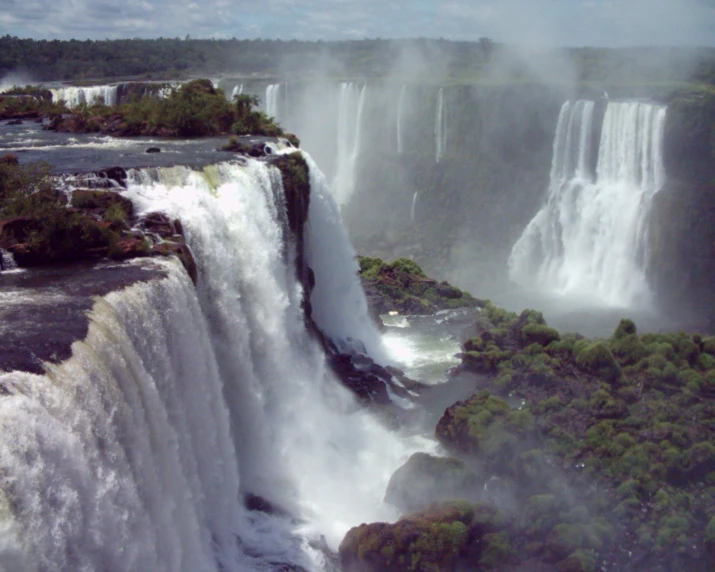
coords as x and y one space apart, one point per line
139 452
590 239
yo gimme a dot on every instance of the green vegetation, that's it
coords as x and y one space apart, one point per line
403 286
193 109
39 228
429 541
601 447
175 57
29 102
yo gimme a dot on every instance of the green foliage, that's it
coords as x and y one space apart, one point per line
625 328
23 188
628 348
539 334
598 360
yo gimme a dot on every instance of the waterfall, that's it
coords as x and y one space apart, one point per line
272 94
590 238
237 90
440 127
76 96
135 454
350 108
7 261
400 107
414 204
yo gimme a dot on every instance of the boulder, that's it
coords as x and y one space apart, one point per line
425 479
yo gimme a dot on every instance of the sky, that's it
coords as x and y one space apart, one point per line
543 22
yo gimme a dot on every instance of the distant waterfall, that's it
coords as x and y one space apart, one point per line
350 107
272 94
414 204
400 108
590 238
76 96
237 90
440 127
135 454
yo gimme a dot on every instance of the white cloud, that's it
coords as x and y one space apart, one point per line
551 22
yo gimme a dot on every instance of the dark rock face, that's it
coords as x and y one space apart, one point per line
682 267
153 150
482 193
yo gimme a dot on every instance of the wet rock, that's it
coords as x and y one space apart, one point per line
153 150
159 224
182 252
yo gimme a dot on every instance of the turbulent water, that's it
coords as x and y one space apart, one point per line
76 96
137 452
590 239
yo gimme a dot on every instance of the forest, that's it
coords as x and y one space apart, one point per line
175 58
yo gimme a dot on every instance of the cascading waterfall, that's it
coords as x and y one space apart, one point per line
590 238
272 94
400 107
414 204
350 108
237 90
7 261
135 453
440 127
76 96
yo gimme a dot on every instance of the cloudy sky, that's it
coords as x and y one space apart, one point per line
550 22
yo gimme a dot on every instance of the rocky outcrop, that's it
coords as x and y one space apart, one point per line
441 537
682 267
403 287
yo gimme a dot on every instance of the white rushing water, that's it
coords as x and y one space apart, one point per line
414 204
440 127
76 96
400 110
351 103
273 92
135 453
237 90
590 239
7 260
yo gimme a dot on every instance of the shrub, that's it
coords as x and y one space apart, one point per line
598 360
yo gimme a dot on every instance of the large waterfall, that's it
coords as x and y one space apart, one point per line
136 453
351 103
590 238
76 96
